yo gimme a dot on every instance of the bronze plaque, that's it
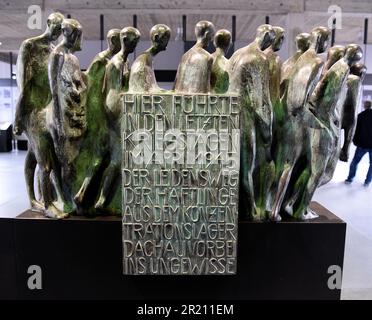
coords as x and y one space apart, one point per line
180 182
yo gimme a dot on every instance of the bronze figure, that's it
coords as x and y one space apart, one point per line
302 43
351 106
66 115
353 53
322 143
249 76
115 83
35 95
334 54
94 149
142 76
289 115
275 64
194 70
300 85
219 73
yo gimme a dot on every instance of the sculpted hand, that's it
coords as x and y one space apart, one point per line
18 128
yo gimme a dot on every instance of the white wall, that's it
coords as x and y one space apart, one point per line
8 95
89 49
5 70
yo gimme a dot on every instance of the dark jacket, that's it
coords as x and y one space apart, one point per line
363 132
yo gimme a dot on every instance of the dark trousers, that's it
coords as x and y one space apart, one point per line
359 153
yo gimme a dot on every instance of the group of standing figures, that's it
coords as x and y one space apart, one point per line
292 113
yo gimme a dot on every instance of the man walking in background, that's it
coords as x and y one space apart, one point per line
363 141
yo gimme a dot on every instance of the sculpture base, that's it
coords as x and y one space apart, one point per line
80 258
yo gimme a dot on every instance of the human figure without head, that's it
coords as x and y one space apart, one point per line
194 70
220 74
303 77
142 77
66 116
351 106
115 83
249 76
35 95
95 148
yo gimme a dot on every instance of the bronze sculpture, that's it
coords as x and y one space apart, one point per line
300 85
115 83
334 54
194 71
351 106
242 134
35 95
323 142
353 53
66 116
94 149
275 64
302 43
249 76
142 76
291 114
219 73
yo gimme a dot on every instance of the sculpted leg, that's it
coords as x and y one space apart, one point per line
30 166
263 177
348 137
56 179
298 190
331 167
81 194
110 174
303 211
281 189
112 171
247 203
51 210
321 147
270 176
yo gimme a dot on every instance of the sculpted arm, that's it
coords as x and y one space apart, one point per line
257 97
23 80
55 63
302 85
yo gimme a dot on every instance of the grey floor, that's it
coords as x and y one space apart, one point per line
352 203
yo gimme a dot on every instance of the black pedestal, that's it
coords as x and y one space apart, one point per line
6 137
81 258
22 145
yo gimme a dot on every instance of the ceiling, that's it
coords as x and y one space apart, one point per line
296 14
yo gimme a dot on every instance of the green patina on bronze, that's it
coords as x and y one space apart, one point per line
94 153
291 114
322 143
35 95
249 76
291 149
220 72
